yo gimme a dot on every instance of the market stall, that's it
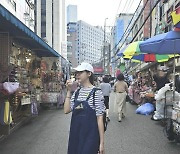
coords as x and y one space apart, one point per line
39 81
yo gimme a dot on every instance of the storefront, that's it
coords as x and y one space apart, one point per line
28 66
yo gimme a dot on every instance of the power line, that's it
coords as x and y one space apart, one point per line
128 24
117 11
130 5
141 25
121 11
133 24
127 6
127 27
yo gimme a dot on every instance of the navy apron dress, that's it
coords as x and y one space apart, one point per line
84 134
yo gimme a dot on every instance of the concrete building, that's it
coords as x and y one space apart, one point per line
23 10
163 15
117 34
122 22
72 14
71 43
89 42
50 20
159 22
147 30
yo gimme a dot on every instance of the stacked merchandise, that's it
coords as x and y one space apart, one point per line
173 125
52 87
16 89
8 86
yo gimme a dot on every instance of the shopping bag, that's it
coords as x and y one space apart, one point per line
10 87
34 108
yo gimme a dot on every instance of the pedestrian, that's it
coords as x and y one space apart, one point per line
121 90
106 89
161 77
87 128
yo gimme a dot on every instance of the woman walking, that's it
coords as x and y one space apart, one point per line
121 90
87 106
106 89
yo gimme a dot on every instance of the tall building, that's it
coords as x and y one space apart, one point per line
71 43
89 42
23 10
122 22
71 14
50 21
117 34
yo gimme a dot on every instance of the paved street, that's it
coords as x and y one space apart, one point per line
48 134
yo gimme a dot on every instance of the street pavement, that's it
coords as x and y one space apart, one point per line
48 134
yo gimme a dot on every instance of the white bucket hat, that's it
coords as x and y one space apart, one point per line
84 66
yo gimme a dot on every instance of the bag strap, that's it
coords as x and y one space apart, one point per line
77 94
94 93
91 93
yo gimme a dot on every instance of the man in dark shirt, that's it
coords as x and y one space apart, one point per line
161 78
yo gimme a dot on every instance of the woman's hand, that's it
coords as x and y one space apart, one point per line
101 149
69 85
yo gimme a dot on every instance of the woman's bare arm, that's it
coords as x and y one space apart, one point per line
67 108
101 133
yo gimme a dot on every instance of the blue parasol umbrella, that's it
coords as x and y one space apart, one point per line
120 53
167 43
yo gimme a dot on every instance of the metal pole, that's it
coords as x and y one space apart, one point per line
104 44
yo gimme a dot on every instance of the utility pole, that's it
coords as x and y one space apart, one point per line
104 49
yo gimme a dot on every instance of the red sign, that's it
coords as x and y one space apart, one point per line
98 70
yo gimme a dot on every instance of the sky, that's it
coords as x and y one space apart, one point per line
94 12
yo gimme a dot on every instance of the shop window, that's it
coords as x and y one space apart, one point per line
168 28
136 29
141 20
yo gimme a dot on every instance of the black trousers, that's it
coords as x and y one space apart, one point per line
106 101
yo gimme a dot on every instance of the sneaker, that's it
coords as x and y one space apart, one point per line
123 116
120 119
155 119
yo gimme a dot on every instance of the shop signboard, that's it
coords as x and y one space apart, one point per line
98 70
